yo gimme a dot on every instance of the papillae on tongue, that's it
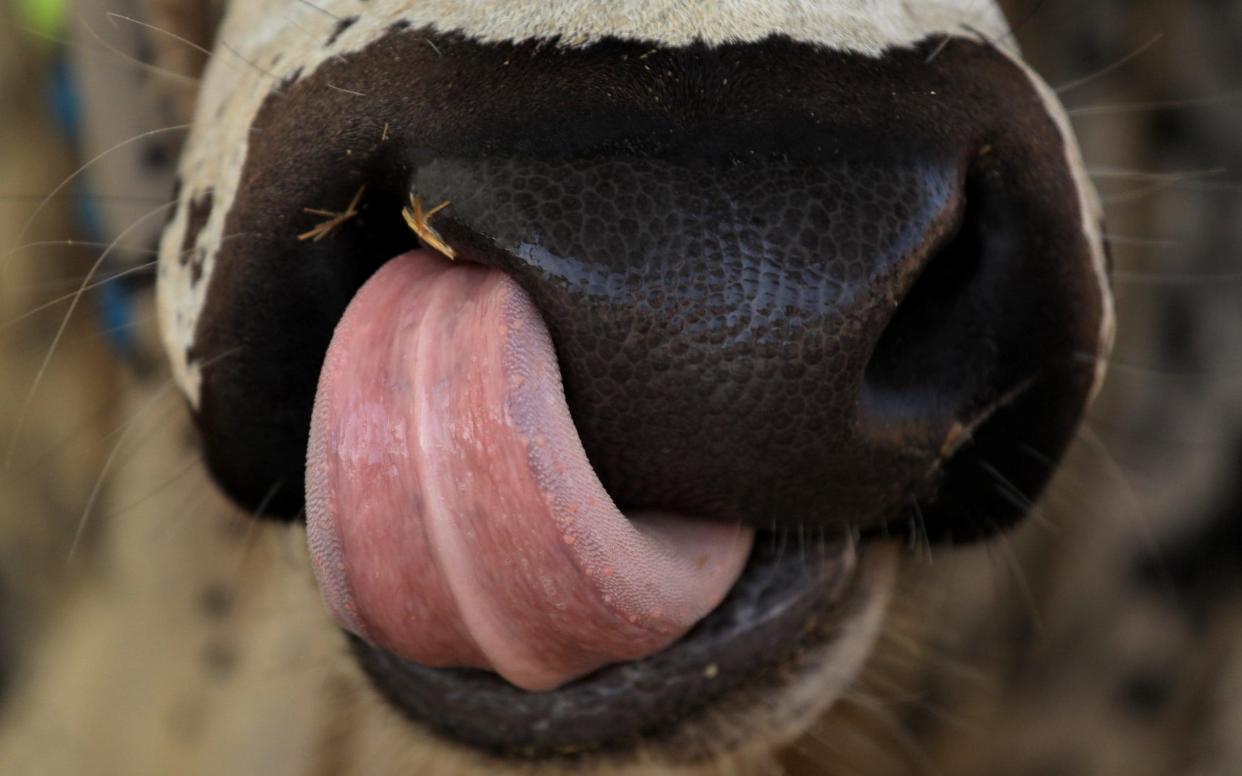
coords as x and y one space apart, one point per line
452 514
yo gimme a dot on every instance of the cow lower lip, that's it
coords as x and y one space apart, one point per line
789 605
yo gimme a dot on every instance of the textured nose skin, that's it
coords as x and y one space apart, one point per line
786 285
714 319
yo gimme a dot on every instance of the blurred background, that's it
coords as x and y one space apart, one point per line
1103 637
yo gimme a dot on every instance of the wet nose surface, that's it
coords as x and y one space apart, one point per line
784 285
770 340
714 320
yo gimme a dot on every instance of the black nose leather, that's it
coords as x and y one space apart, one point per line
740 338
786 285
714 319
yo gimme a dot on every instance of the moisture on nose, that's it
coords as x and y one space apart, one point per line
714 321
790 342
785 285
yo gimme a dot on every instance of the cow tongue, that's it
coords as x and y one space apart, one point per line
452 514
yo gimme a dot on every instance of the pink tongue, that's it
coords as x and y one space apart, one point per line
453 516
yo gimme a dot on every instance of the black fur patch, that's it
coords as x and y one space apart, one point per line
339 30
197 214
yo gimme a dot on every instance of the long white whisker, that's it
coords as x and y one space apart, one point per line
125 431
97 284
1128 58
21 236
71 243
132 270
95 415
89 195
1162 184
320 9
1142 242
133 324
60 332
1117 471
189 79
249 537
109 51
1154 105
1118 173
182 469
1118 365
1176 279
113 16
1011 560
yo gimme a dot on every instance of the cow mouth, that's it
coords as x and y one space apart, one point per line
797 600
790 318
458 531
498 592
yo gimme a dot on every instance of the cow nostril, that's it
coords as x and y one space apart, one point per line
934 350
975 365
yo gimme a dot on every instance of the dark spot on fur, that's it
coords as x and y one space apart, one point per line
197 260
398 26
156 157
1170 129
1146 693
1178 334
1202 567
217 601
341 26
197 214
289 80
174 197
219 660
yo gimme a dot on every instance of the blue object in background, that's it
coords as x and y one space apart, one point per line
115 306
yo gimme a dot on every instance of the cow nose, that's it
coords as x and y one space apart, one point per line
782 343
784 285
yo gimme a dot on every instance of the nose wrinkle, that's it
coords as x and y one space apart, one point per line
713 319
